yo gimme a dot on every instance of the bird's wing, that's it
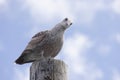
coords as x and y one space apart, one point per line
37 38
27 53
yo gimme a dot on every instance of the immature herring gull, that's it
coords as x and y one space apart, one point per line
45 43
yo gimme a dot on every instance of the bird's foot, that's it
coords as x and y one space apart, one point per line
41 56
49 59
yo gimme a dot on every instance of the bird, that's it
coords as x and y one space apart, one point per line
45 44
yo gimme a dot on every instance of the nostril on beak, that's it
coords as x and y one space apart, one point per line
70 23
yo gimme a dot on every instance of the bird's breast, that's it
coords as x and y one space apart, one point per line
52 46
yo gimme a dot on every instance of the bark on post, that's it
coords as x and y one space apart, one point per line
48 70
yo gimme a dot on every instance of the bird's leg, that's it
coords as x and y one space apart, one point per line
49 59
42 56
45 58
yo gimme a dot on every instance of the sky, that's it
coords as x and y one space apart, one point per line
91 45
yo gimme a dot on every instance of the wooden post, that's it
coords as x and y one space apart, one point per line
49 69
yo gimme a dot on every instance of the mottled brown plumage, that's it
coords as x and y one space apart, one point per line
45 43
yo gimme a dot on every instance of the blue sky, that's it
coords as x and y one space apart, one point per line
91 45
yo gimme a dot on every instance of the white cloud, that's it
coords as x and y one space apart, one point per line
117 37
115 5
116 75
73 47
47 10
78 10
86 10
104 49
21 74
93 72
3 4
74 53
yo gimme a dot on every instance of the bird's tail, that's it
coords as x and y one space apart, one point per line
24 58
20 60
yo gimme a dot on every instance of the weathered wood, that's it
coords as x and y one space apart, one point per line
49 69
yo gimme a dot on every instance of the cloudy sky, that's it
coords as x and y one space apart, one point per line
92 44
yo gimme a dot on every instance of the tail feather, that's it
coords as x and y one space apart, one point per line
20 60
24 58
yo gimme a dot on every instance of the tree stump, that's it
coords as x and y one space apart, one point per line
48 69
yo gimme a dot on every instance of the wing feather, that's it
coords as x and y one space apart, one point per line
37 38
27 53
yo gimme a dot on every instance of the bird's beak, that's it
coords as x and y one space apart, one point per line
69 22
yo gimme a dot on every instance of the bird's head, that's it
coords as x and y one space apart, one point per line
62 26
66 23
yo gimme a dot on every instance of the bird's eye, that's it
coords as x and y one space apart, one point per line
66 19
